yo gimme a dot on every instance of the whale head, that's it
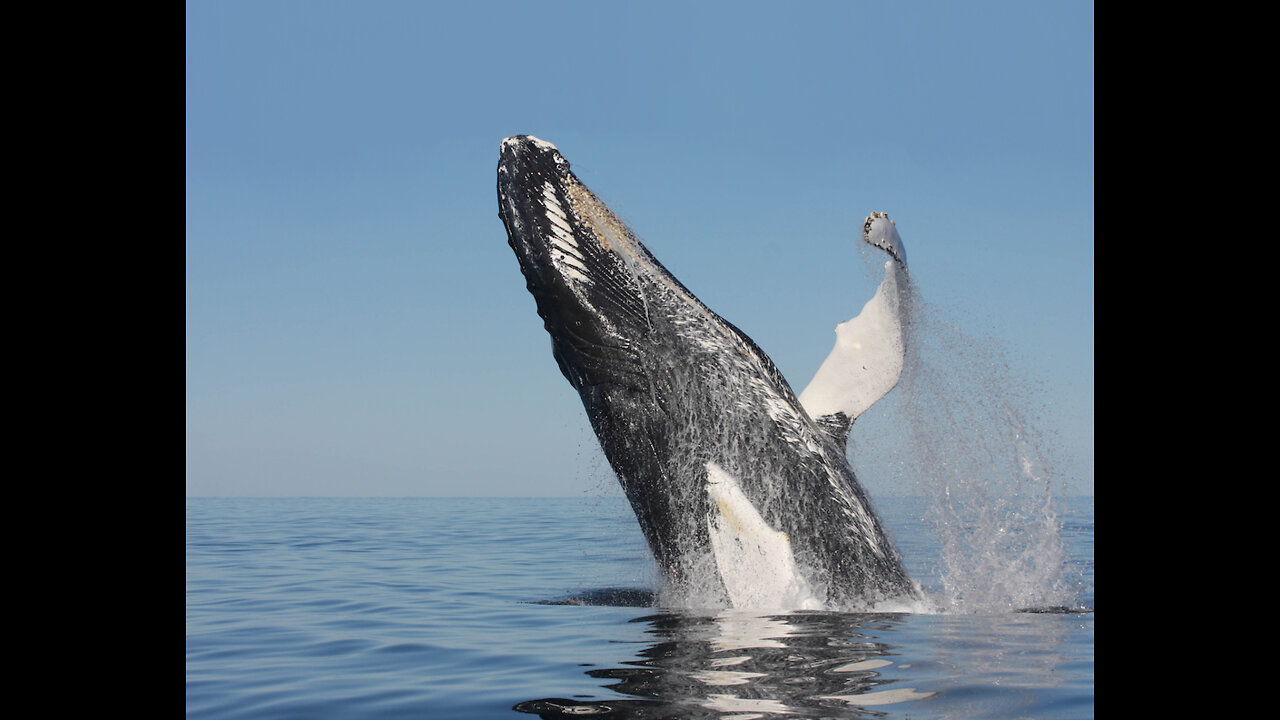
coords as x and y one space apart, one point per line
582 265
625 334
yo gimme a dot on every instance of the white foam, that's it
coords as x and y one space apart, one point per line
537 142
543 144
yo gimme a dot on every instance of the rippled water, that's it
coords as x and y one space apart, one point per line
480 608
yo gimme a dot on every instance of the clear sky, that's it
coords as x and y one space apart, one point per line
357 324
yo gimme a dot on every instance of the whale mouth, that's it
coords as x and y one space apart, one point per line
544 204
533 178
587 272
559 229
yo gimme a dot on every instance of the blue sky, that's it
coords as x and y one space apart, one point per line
357 324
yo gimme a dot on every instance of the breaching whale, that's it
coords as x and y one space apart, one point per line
743 490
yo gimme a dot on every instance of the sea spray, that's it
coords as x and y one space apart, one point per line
969 445
975 456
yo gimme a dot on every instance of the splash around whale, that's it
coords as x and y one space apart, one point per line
741 487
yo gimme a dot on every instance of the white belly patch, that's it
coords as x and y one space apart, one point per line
755 561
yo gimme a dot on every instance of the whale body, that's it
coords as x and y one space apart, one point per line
743 492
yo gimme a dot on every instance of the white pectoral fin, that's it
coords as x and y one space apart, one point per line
755 561
866 361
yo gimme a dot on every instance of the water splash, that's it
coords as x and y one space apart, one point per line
971 448
976 457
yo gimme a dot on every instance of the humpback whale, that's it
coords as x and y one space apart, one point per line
742 488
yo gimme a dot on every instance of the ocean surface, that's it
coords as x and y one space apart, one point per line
314 608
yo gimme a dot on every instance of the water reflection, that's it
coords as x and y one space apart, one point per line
743 665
